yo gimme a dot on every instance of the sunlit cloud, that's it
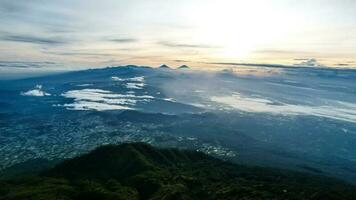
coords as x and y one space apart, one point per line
185 45
36 92
339 110
100 100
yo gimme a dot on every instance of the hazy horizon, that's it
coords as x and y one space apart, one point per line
40 36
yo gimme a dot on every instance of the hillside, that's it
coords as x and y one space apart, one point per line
140 171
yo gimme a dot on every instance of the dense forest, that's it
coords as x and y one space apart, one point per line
141 171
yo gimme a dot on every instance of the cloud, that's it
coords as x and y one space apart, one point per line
183 45
343 64
85 85
8 6
305 64
348 63
36 92
309 62
79 53
89 105
100 100
338 110
124 40
134 79
252 64
281 52
301 59
138 86
33 39
26 64
180 61
37 15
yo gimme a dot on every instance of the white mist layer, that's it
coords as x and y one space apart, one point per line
136 83
338 110
36 92
97 99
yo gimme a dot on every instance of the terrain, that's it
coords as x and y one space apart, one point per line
140 171
300 119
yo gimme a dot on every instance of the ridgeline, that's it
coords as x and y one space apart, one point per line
140 171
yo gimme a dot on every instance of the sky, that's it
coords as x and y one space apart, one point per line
47 35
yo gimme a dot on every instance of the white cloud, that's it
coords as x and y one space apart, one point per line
135 79
36 92
138 79
115 78
97 99
137 86
337 110
89 105
85 85
309 62
134 82
170 99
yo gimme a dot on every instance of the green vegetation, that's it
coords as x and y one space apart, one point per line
140 171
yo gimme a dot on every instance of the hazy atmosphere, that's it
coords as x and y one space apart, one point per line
178 100
38 36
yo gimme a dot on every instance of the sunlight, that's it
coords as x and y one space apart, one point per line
236 30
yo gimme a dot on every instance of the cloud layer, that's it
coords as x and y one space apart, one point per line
97 99
338 110
36 92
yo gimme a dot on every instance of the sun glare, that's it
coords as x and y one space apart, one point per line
234 29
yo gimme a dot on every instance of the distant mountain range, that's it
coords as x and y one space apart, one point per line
140 171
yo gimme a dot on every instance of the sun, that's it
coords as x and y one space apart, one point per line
233 28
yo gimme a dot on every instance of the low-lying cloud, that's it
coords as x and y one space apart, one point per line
132 83
36 92
339 110
100 100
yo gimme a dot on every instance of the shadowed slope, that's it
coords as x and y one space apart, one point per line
140 171
123 161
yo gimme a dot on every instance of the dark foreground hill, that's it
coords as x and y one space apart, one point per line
140 171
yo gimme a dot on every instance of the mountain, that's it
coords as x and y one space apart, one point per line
30 167
141 171
164 66
123 161
183 67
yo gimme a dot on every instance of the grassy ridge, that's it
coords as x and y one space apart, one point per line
140 171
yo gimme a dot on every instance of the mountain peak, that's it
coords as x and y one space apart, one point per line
164 66
183 67
121 161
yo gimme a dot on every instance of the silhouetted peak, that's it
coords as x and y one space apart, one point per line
120 161
164 66
183 67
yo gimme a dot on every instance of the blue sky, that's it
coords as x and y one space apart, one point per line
38 35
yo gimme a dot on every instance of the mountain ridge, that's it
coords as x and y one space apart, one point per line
124 157
141 171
